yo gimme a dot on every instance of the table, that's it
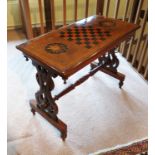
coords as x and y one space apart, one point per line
65 51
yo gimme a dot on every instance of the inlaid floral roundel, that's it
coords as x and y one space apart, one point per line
56 48
107 24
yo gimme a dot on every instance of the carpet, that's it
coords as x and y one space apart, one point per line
99 115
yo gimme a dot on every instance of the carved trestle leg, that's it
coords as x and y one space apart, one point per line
44 104
110 63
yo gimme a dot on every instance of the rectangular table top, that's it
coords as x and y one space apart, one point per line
72 47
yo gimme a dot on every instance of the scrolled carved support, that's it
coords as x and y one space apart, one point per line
43 96
109 61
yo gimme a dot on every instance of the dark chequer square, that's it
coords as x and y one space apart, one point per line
87 36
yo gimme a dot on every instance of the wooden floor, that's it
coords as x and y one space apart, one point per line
13 35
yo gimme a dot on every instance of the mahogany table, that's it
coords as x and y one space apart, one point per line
65 51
